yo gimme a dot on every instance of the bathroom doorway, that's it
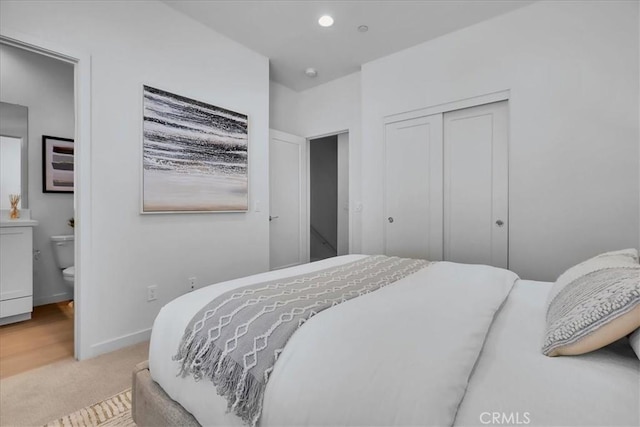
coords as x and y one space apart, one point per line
58 128
42 87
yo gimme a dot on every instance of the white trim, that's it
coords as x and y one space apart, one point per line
14 319
119 342
324 135
305 224
287 266
343 144
307 179
51 299
473 101
353 180
82 175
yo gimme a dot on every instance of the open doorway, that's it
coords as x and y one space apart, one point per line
328 196
28 52
308 198
37 281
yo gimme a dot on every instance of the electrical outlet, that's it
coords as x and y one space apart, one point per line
191 286
152 292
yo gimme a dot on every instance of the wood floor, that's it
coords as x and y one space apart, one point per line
46 338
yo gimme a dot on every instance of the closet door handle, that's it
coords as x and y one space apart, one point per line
499 223
390 219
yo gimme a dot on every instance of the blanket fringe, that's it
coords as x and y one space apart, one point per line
202 359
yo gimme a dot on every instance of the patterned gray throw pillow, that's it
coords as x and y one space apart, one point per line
593 304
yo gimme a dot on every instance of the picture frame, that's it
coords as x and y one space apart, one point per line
194 155
57 164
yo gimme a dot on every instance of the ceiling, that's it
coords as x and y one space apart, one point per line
287 31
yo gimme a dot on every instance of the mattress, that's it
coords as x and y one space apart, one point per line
511 383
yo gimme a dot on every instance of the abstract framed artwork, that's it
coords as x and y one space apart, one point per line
195 155
57 164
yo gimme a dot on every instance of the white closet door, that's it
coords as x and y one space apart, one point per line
413 188
476 185
288 225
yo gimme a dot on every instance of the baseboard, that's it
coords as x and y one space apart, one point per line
286 266
50 299
118 343
14 319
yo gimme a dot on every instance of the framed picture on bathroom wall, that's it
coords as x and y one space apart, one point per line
57 164
195 155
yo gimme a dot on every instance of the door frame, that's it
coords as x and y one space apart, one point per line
474 101
82 173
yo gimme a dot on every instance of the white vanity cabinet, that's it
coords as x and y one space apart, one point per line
16 273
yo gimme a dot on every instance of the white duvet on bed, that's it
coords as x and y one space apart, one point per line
379 360
512 376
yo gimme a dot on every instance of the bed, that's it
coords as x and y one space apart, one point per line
383 359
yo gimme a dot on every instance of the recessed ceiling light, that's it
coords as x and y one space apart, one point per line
325 21
363 28
311 72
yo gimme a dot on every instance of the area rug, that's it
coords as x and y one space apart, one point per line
112 412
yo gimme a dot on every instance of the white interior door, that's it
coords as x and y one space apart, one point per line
413 188
288 223
476 185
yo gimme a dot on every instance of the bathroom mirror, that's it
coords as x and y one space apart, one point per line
14 154
10 169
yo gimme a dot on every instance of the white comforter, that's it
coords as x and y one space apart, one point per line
512 376
402 355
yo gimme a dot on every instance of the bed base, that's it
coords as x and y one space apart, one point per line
151 406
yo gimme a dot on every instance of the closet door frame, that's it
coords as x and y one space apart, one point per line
475 101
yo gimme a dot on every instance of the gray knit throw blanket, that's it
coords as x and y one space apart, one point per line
236 339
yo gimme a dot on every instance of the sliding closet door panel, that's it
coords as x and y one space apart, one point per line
413 188
476 185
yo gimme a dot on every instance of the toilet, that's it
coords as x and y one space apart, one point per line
63 249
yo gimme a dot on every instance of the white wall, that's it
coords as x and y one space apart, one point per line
45 86
326 109
131 44
284 109
572 68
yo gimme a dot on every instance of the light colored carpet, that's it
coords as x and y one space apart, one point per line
112 412
53 391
